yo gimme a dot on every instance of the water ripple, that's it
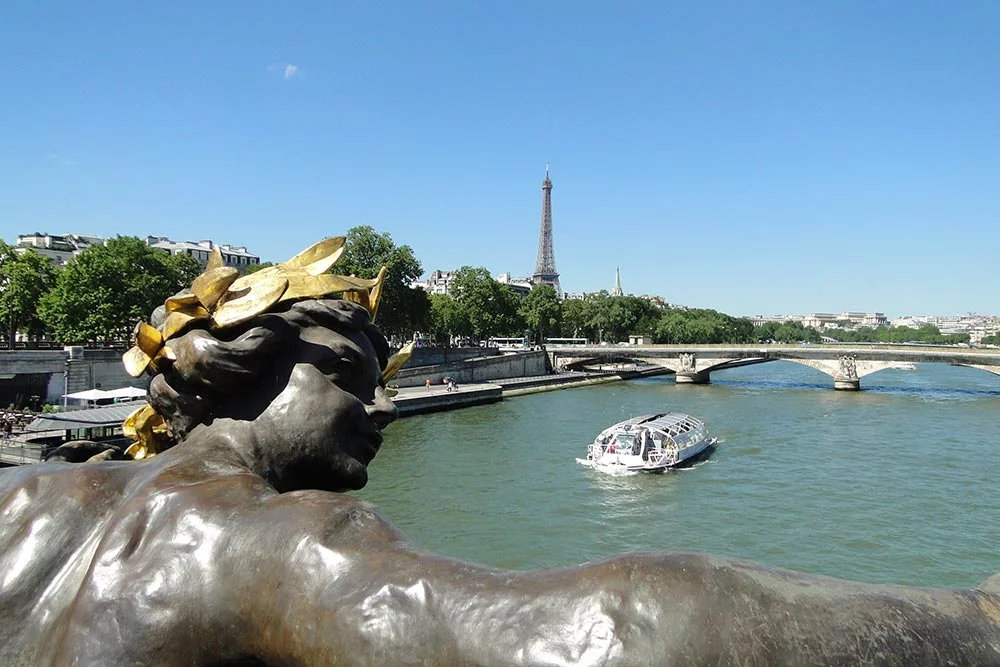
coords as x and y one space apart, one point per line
891 484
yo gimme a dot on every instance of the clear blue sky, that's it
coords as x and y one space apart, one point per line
753 157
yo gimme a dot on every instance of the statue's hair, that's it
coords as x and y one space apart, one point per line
211 365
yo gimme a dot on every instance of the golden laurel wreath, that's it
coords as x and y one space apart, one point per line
221 298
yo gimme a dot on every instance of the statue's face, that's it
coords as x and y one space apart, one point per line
324 427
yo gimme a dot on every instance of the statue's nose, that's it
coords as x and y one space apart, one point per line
382 411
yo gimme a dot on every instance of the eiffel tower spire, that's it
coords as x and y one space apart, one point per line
545 265
617 291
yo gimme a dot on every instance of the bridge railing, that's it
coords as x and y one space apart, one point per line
18 452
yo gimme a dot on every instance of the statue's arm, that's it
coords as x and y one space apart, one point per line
353 590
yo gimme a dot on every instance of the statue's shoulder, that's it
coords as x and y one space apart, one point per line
70 487
330 516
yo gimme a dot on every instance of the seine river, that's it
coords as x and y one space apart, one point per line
897 483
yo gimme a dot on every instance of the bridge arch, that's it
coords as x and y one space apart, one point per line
846 365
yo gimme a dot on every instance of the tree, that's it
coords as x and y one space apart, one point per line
254 268
104 291
629 315
186 267
598 308
24 278
447 319
795 332
574 318
403 309
491 307
706 326
541 311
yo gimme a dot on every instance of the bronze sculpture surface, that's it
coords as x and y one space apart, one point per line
235 548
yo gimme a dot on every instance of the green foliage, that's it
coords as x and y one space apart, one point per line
702 326
447 319
541 311
785 332
254 268
928 333
402 309
600 317
491 307
186 268
574 319
24 278
104 291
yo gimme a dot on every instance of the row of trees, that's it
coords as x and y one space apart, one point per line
101 293
926 334
96 298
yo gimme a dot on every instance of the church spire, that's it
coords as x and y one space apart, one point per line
617 291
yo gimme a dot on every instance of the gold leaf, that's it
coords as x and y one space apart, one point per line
147 427
358 296
306 286
375 294
148 339
179 319
129 426
398 360
181 301
212 284
247 281
214 259
240 306
135 361
319 257
136 451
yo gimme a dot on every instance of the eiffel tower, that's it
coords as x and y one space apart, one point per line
545 266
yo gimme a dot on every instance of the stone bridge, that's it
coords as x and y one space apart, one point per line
846 364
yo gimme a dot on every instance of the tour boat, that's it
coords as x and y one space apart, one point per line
652 443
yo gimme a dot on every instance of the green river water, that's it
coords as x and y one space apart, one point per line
893 484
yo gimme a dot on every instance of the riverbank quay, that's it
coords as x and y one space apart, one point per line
436 398
409 401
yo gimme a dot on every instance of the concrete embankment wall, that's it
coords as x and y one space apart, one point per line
431 356
436 401
51 373
472 371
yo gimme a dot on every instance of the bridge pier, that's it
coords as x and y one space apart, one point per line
846 384
692 377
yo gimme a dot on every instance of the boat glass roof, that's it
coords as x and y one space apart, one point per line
670 423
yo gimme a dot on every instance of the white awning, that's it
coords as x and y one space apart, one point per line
89 395
98 394
126 392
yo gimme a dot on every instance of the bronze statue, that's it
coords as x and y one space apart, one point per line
233 547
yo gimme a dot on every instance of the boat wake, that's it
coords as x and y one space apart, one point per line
614 471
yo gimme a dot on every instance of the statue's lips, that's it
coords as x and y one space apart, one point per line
368 445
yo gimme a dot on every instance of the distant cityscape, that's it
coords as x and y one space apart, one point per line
60 248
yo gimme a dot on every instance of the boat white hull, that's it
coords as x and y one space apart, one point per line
612 462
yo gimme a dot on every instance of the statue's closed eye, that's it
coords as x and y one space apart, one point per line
338 366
